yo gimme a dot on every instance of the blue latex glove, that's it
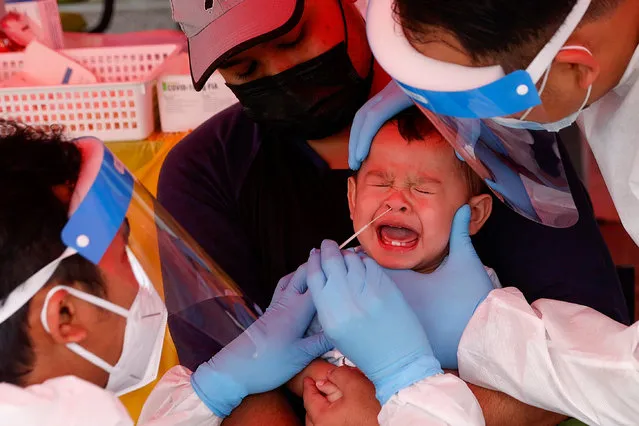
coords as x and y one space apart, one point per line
268 354
445 299
370 118
366 317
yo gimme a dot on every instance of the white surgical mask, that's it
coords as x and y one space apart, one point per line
143 336
521 123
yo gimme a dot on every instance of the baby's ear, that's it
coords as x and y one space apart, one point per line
352 193
481 206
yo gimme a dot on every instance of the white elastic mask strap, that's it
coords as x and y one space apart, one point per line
547 74
589 91
544 81
577 47
25 291
91 357
139 273
583 105
541 90
90 298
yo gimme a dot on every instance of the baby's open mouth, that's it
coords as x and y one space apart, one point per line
397 236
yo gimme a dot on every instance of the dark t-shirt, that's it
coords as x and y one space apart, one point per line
258 203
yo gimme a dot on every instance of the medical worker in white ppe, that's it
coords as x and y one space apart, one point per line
558 356
82 323
79 310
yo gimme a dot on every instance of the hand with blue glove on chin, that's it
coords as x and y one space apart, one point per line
268 354
445 299
366 317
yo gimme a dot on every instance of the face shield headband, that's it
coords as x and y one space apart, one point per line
455 90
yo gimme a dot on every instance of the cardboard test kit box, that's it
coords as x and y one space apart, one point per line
181 107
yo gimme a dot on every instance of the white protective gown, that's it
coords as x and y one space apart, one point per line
611 128
63 401
436 401
559 356
70 401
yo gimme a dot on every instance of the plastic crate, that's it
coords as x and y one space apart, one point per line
118 108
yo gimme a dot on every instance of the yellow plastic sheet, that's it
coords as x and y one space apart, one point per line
144 159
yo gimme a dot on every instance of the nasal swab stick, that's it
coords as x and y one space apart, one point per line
363 228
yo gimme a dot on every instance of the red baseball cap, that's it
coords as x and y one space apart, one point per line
220 29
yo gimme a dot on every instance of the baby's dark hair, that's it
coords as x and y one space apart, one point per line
33 162
413 125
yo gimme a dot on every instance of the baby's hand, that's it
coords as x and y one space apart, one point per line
316 370
329 389
345 398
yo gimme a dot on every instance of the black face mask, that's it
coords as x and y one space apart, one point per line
313 100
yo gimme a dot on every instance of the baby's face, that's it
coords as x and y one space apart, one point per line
423 184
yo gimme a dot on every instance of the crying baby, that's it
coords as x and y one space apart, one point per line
413 179
413 171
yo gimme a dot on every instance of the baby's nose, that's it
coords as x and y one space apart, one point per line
397 202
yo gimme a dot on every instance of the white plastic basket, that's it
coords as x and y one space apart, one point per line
118 108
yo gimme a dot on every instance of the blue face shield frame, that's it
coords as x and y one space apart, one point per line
93 225
509 95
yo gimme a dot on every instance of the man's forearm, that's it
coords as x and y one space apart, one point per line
501 409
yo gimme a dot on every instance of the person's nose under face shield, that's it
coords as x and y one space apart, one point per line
472 108
118 226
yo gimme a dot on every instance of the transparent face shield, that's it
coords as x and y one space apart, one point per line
206 309
522 167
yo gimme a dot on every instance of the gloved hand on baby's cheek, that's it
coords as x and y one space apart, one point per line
444 300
